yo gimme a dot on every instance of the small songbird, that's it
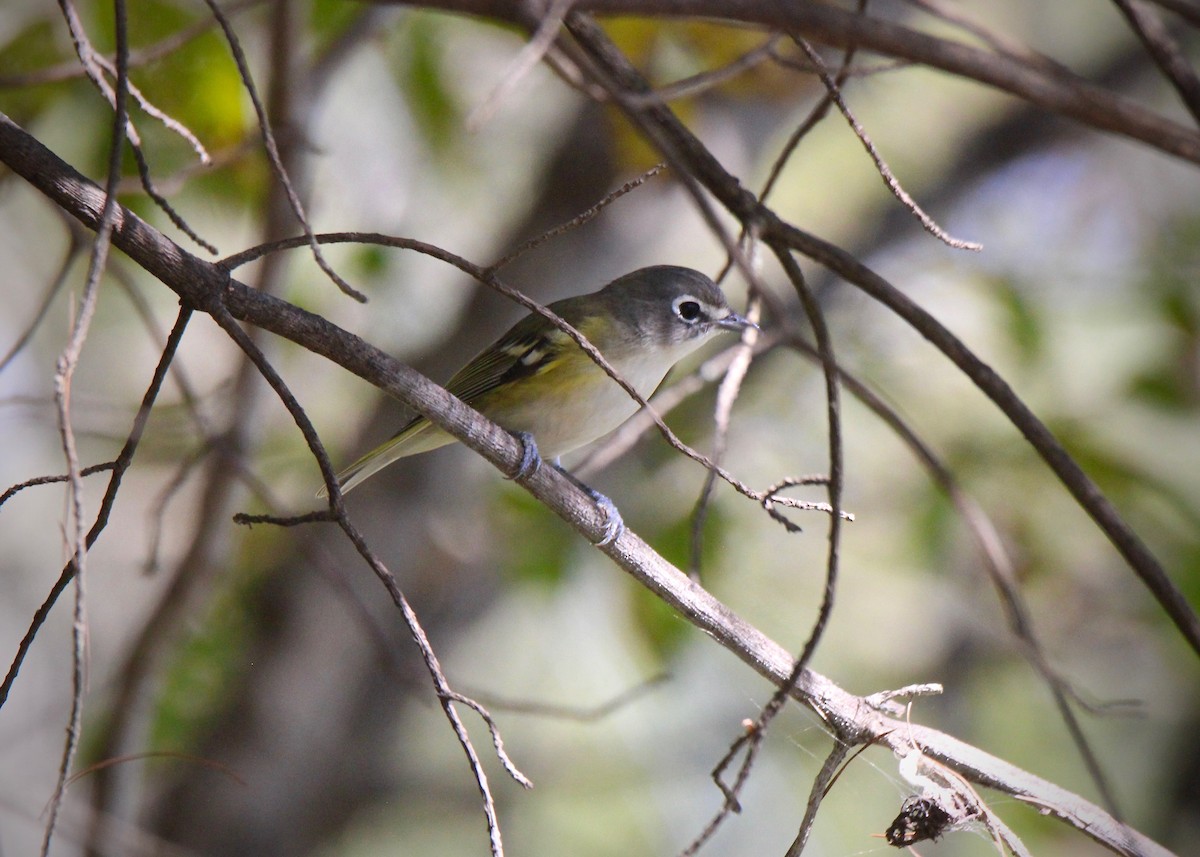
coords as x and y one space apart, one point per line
538 383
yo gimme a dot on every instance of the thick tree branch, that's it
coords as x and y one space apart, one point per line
1057 91
682 148
854 720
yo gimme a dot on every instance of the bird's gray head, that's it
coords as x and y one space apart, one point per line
672 305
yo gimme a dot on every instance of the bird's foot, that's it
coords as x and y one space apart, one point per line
613 524
531 459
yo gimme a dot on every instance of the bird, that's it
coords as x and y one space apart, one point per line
537 383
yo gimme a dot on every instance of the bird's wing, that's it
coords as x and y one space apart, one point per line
522 352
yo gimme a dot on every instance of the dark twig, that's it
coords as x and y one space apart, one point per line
531 54
818 112
337 511
885 172
952 13
75 246
697 84
63 376
820 788
1168 55
119 466
248 520
264 125
584 714
751 741
50 480
576 221
727 393
158 510
709 172
850 717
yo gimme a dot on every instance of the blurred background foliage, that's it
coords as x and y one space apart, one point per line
275 655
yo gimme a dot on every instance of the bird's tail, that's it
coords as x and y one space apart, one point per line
418 436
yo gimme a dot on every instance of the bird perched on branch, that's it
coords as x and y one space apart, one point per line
536 382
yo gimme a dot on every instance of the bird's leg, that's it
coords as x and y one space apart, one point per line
531 460
614 525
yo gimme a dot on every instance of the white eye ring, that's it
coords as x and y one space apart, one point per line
688 309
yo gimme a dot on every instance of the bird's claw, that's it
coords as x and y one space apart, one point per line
531 459
614 525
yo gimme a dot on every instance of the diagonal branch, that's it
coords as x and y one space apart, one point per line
853 719
1056 91
1167 53
677 140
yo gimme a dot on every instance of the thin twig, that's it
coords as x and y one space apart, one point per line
95 66
814 117
497 740
63 376
578 220
584 714
751 741
13 490
700 83
953 14
137 57
884 170
264 126
337 509
75 246
211 764
485 276
727 393
531 54
1166 52
118 467
162 503
829 772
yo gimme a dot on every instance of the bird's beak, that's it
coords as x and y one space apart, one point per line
733 321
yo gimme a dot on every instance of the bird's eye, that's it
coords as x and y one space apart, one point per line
688 310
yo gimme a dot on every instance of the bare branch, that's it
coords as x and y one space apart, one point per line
576 221
337 510
1064 93
885 172
820 787
63 375
209 287
264 125
122 463
1167 53
74 248
527 59
668 132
